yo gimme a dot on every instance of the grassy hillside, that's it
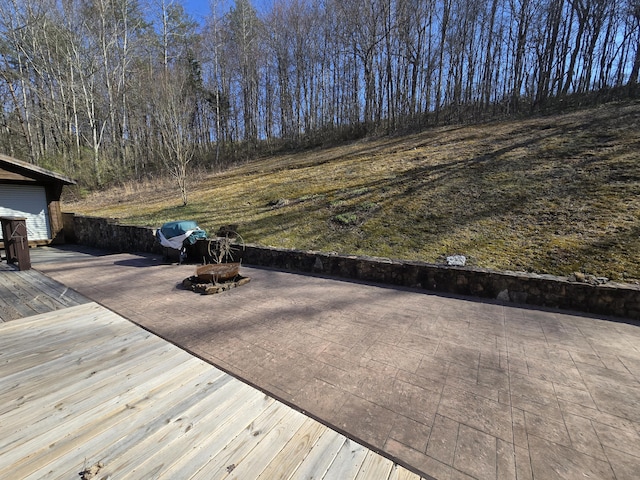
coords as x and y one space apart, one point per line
553 194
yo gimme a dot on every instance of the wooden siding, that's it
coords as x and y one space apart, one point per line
82 387
14 176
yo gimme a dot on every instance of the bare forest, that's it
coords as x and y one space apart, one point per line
108 90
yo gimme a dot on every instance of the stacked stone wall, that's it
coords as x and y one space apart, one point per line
622 300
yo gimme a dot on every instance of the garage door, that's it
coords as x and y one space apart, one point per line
30 202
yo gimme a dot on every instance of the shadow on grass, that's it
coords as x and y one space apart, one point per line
529 188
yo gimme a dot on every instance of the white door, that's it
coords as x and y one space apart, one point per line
27 201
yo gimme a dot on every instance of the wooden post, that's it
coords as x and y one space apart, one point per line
16 243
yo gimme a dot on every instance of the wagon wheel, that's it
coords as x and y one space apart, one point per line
224 248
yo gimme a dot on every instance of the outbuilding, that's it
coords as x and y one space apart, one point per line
34 193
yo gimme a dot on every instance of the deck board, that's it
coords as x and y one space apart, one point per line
317 460
26 293
348 460
291 456
27 382
62 294
81 385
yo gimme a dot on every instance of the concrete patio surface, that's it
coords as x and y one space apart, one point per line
451 387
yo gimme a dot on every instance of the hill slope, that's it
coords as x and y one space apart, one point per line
550 194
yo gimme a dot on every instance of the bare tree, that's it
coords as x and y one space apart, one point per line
174 110
244 29
634 15
75 75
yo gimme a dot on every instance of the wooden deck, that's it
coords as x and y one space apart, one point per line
26 293
85 390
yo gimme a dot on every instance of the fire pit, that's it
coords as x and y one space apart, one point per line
218 272
221 275
209 287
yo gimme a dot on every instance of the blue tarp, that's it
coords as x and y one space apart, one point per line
184 232
180 227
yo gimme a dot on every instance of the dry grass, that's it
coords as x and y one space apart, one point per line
551 195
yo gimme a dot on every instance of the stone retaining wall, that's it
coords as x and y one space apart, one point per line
611 298
109 234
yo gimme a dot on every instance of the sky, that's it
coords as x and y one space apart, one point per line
199 9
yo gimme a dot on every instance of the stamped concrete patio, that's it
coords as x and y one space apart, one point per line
452 387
